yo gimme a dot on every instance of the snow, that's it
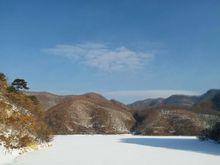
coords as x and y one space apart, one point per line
7 157
123 150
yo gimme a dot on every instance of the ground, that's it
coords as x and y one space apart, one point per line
123 150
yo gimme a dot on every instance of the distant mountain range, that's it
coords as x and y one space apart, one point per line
177 114
92 113
204 103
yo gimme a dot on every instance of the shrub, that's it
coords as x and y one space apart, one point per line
34 99
3 82
216 102
2 77
11 89
43 133
212 133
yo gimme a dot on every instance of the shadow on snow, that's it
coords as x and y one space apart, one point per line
185 144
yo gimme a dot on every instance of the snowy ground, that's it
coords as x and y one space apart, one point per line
122 150
6 158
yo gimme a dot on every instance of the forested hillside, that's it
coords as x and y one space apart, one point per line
21 116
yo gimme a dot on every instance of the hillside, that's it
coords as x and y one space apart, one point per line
180 101
204 104
47 99
149 103
89 113
21 119
176 115
208 103
168 121
92 113
172 101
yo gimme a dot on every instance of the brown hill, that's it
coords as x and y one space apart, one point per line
92 113
21 118
46 99
208 103
181 101
167 121
89 113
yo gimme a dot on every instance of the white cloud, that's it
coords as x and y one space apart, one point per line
102 57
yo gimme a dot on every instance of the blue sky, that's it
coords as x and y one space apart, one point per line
124 49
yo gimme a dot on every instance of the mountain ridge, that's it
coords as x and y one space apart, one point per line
89 113
188 102
93 113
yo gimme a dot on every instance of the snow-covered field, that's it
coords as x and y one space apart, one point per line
121 150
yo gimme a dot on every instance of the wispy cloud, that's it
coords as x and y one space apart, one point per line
102 57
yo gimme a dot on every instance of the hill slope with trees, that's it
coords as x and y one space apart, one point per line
21 117
90 113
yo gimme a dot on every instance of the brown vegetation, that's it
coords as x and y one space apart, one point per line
21 119
167 121
89 113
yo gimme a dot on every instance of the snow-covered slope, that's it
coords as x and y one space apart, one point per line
7 157
123 150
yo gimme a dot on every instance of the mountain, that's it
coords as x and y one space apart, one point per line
29 115
149 103
47 99
89 113
172 101
206 103
180 101
177 114
209 95
120 104
92 113
167 121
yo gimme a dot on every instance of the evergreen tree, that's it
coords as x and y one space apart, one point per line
2 77
19 84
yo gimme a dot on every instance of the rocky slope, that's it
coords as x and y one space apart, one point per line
89 113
